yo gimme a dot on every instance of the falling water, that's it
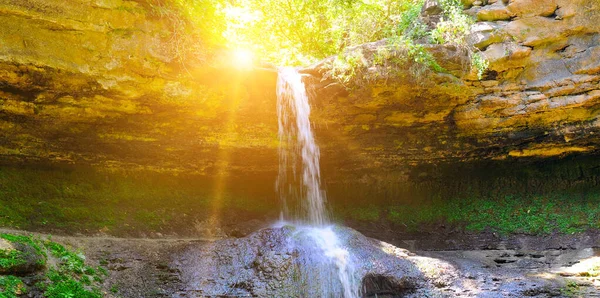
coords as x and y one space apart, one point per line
296 138
303 200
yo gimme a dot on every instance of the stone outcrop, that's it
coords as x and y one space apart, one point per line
114 83
538 98
124 84
20 258
284 262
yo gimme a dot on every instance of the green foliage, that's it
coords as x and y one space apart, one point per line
407 40
301 32
114 289
571 289
10 258
71 277
84 200
537 215
453 26
196 26
410 25
13 258
69 261
348 65
68 276
64 286
11 286
27 240
479 63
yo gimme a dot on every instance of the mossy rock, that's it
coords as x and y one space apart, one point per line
19 257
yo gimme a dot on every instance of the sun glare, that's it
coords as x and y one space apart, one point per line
243 58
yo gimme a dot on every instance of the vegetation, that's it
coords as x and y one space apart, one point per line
66 275
196 26
11 286
563 213
298 32
87 200
84 200
571 289
11 258
407 42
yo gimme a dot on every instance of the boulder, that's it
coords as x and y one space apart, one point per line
19 258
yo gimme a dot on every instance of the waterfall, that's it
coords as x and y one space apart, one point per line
303 201
296 139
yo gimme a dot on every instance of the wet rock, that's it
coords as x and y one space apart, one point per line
279 262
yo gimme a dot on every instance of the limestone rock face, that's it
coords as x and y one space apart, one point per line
122 84
538 98
105 83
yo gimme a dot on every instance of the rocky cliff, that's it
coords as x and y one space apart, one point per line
112 83
538 98
123 84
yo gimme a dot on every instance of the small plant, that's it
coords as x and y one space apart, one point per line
479 63
10 258
114 289
71 277
347 66
410 24
11 286
62 285
408 44
571 289
68 276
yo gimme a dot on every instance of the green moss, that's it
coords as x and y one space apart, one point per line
368 213
87 200
571 289
67 276
28 240
529 215
11 258
564 213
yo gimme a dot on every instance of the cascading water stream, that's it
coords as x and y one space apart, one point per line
303 200
296 138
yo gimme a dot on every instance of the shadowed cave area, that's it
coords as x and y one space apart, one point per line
380 286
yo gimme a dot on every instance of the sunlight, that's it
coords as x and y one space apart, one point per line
223 161
243 58
589 267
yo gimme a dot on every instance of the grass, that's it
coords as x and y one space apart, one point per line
87 200
66 276
566 213
11 286
11 258
571 289
15 258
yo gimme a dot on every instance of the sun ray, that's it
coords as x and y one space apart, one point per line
223 162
